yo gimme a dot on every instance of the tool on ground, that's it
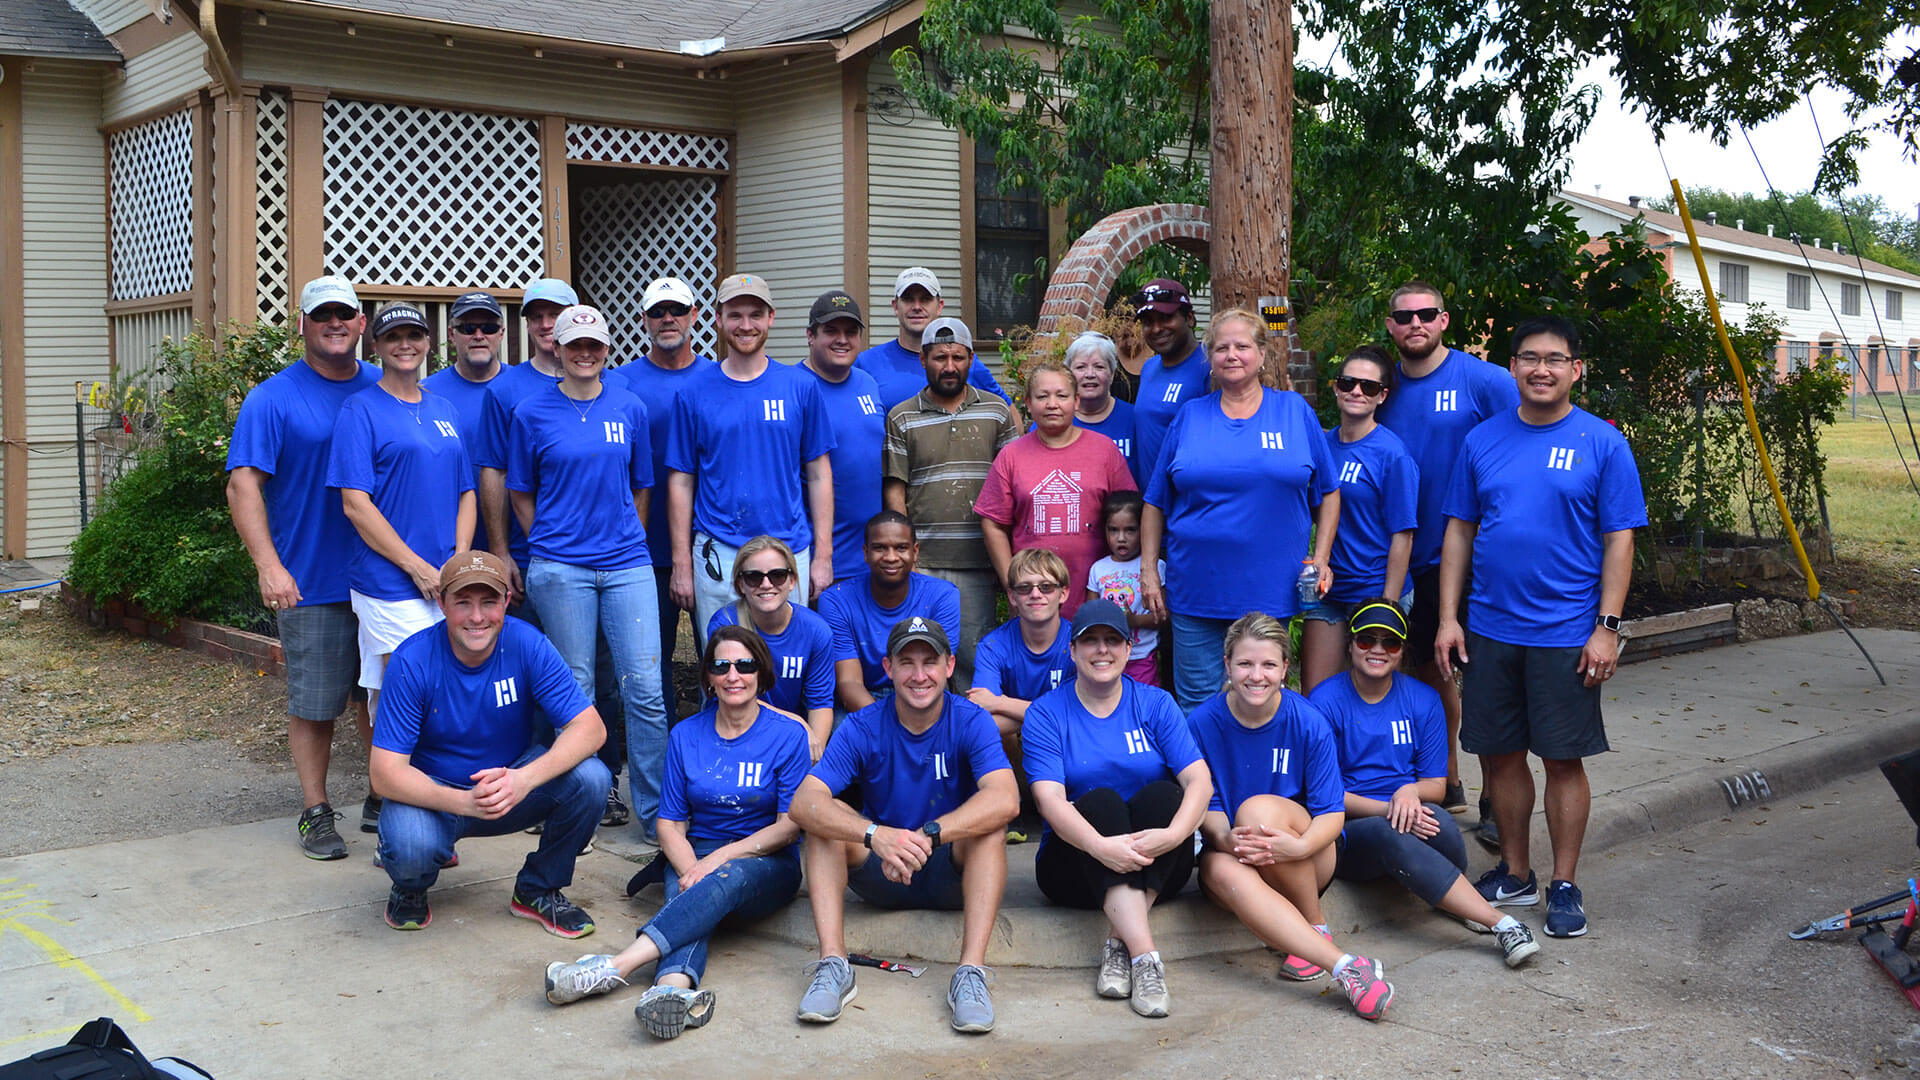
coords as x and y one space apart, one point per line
863 960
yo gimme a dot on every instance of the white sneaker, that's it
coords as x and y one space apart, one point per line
1115 979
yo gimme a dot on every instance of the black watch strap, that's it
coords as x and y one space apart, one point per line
1611 622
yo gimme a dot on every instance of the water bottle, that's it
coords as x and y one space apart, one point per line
1309 584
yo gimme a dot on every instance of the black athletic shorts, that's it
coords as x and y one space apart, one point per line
1529 697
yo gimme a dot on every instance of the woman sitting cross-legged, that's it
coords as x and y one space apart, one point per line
1122 786
731 772
1392 738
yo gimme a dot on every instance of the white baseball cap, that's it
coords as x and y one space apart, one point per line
580 321
667 290
915 275
330 289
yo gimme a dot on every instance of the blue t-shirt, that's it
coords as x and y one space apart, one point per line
1118 426
488 447
285 429
1543 496
859 434
469 401
861 626
747 445
1432 415
411 460
1398 741
658 389
1379 496
1291 755
582 461
729 789
901 375
907 780
1002 663
1230 488
802 655
454 720
1144 739
1163 391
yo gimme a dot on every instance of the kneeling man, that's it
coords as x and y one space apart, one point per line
940 791
454 753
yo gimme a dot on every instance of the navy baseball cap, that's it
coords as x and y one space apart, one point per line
1100 611
394 316
477 301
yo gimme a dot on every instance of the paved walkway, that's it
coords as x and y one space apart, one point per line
225 943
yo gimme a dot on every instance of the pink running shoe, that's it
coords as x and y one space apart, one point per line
1367 987
1300 970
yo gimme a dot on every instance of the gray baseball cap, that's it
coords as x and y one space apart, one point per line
946 331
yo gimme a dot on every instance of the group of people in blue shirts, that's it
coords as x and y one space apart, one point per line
503 525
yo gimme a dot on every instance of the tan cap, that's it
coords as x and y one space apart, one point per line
474 568
744 285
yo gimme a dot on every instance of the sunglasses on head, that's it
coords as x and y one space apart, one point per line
472 328
1407 315
745 666
663 311
778 577
1367 642
1369 387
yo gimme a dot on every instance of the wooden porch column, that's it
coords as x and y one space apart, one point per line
306 189
558 256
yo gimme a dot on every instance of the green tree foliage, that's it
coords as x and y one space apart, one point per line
1865 223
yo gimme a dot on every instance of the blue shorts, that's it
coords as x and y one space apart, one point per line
1340 611
935 886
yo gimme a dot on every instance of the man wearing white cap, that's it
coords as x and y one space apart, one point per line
748 453
895 364
298 535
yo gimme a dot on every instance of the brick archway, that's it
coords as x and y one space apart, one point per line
1080 284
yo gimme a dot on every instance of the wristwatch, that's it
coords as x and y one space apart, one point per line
1611 622
872 827
932 830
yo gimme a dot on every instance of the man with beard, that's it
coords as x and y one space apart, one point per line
748 457
895 364
940 446
1175 375
1441 394
859 422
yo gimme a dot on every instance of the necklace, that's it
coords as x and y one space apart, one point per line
576 405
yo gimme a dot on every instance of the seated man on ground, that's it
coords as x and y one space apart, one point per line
454 753
939 789
1391 733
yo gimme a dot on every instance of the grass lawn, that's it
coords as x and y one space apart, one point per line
1869 497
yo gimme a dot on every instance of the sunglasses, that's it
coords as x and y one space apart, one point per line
472 328
664 311
754 578
1369 387
1407 315
746 666
1044 588
1369 642
327 313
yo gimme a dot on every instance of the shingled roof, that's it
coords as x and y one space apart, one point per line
1727 234
52 28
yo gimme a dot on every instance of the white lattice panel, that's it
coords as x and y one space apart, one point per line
641 146
625 235
271 212
432 197
151 200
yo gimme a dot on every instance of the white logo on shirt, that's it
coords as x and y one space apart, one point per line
446 428
790 666
505 693
775 408
616 431
1281 759
868 405
1446 401
940 767
1270 440
749 774
1350 472
1561 458
1403 733
1125 445
1136 741
1172 395
1053 679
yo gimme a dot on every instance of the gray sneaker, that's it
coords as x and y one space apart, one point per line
832 987
666 1011
318 838
589 975
1518 944
968 998
1116 971
1149 996
370 814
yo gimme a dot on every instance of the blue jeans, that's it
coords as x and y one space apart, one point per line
576 605
414 841
740 891
1198 666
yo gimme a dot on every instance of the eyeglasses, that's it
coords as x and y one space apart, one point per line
1553 361
745 666
327 313
1044 588
665 311
1369 387
1407 315
472 328
778 577
1369 642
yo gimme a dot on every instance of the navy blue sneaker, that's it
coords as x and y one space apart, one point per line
1501 889
1566 917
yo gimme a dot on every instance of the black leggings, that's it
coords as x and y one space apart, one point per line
1072 878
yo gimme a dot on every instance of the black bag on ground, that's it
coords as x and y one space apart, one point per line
100 1050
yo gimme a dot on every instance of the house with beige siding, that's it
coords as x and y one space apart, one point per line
167 163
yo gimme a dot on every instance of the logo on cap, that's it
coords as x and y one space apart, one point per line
917 626
585 318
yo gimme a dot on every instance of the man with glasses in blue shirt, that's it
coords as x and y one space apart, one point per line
475 326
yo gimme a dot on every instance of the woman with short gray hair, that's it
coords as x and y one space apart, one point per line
1093 359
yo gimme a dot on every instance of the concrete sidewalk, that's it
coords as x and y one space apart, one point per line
227 940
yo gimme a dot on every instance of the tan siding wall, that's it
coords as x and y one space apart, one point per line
65 262
382 64
913 185
788 193
137 338
113 16
160 76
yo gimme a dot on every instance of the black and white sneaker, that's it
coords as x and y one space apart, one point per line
1517 944
370 814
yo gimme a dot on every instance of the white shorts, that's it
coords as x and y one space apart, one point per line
384 624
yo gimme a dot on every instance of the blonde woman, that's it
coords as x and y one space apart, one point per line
765 574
